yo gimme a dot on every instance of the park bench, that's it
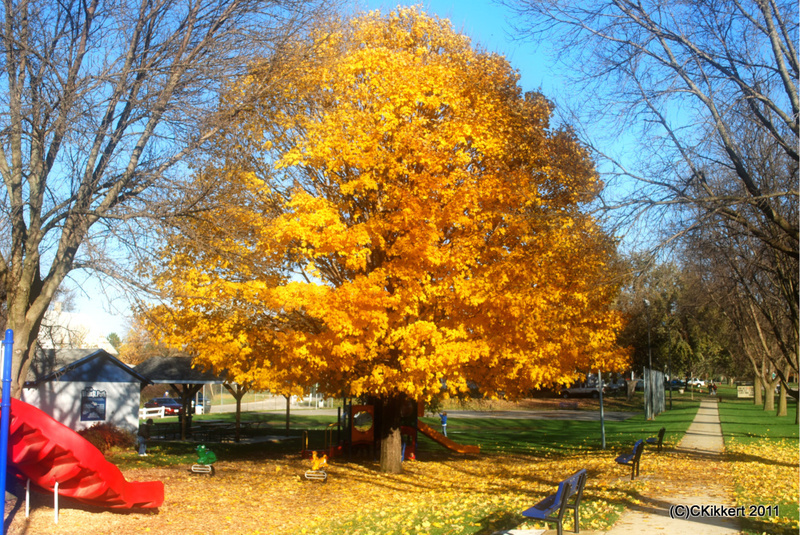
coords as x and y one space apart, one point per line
659 440
558 503
632 458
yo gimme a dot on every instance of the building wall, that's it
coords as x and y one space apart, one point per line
63 400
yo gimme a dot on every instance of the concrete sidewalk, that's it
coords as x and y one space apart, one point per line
704 440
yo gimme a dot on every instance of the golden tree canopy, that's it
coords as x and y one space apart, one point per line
431 215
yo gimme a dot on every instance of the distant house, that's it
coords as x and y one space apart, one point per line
61 329
81 387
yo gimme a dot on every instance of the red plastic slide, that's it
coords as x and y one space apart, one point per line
46 451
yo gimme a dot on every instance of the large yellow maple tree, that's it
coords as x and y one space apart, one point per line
431 216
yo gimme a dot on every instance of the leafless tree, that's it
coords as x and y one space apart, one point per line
103 101
748 281
699 99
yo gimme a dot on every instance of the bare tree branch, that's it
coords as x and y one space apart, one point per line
103 104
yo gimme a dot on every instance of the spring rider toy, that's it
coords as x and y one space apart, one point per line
318 466
205 461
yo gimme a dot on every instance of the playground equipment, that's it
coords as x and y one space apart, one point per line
318 470
433 434
331 447
355 432
52 458
205 461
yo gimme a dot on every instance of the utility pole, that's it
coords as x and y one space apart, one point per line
602 417
648 405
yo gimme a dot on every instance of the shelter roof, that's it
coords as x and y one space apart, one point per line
176 370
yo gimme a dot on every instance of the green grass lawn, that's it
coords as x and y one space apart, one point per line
746 422
755 442
561 437
496 436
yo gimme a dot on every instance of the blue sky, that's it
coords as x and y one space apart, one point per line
486 23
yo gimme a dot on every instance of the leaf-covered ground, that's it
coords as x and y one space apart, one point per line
447 495
443 493
767 469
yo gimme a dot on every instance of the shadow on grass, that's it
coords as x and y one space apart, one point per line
747 458
755 525
498 521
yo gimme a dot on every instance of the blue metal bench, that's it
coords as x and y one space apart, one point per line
659 440
632 458
559 502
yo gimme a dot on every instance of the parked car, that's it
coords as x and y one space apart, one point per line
582 390
675 384
200 405
198 400
171 405
697 382
618 387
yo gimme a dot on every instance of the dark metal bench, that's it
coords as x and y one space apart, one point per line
559 502
632 458
659 440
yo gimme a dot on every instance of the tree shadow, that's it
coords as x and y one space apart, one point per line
498 521
757 525
748 458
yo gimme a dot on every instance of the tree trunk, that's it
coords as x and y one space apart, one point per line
782 408
186 393
238 393
25 335
238 435
769 397
758 398
288 404
759 382
769 386
630 387
784 395
391 442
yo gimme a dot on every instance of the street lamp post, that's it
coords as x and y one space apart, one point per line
602 417
669 355
649 382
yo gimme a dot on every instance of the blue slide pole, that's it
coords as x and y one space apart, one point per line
8 347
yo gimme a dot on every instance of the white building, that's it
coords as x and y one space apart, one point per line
82 387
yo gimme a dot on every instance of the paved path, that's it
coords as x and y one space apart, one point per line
704 440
